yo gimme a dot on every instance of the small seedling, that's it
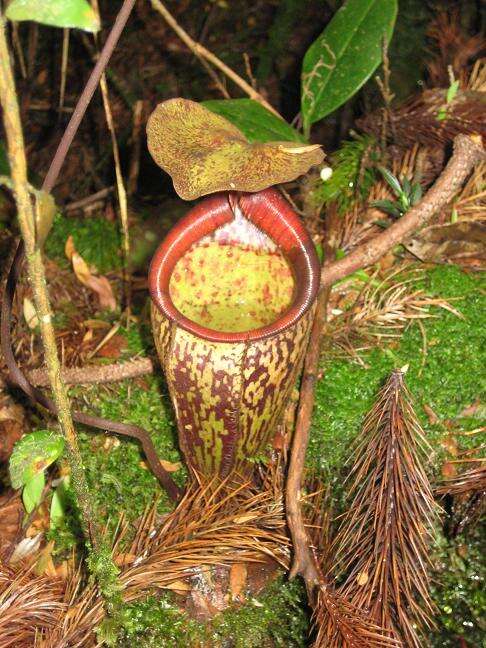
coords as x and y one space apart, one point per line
407 194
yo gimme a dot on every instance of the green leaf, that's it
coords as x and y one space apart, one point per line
387 206
32 454
392 181
32 493
407 187
204 153
344 56
452 91
59 503
255 122
57 13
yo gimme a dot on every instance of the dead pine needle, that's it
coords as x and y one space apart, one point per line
383 542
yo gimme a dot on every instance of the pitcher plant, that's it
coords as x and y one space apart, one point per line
233 285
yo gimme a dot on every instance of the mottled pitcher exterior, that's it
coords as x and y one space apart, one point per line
229 390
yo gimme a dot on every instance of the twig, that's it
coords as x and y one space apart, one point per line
120 186
200 51
95 374
84 202
64 63
304 562
86 95
26 218
134 170
468 151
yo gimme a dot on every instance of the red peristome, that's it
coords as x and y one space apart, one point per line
272 214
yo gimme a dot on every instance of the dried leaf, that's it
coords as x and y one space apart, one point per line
178 586
463 243
45 210
26 547
30 314
448 470
69 247
100 285
362 578
204 153
169 466
238 575
241 519
387 530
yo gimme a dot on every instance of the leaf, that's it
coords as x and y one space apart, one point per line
238 576
178 586
169 466
59 503
415 193
32 493
100 285
392 181
204 153
32 454
25 549
57 13
462 243
255 122
452 91
45 210
387 206
344 56
30 314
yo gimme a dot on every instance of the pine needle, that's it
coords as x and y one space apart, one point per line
383 541
28 603
381 311
212 525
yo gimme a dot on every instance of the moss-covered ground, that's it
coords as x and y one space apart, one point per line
446 374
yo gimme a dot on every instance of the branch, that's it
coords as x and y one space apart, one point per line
98 554
468 151
304 561
95 374
202 53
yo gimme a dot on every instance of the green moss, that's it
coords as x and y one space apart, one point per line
447 378
277 617
346 163
117 477
458 590
96 239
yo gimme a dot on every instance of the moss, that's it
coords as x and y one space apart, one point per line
96 239
346 163
447 378
277 617
116 474
458 590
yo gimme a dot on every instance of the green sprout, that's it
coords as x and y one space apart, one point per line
407 195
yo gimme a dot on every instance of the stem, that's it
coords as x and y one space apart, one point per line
86 95
35 267
468 152
120 185
202 53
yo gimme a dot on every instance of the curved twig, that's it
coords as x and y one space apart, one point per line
468 151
